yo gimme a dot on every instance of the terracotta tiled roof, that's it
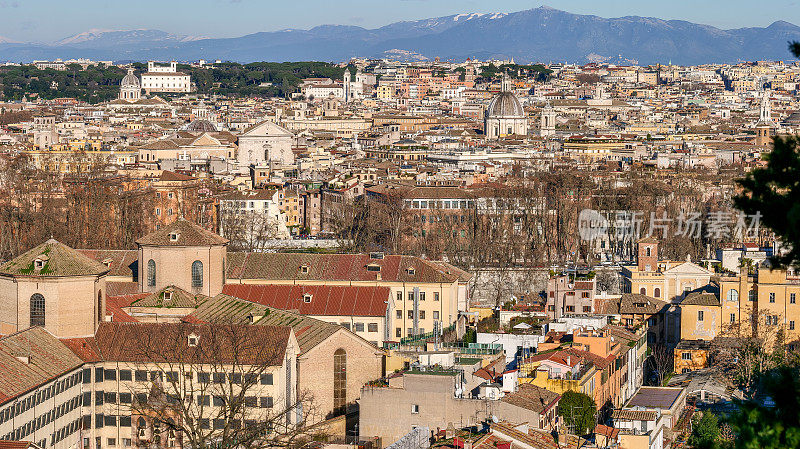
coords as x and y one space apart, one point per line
120 262
122 288
85 348
700 299
189 234
8 444
48 359
168 342
634 415
532 398
169 296
533 438
635 303
58 259
324 299
167 175
345 267
226 309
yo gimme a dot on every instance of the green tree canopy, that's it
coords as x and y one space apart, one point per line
705 431
578 411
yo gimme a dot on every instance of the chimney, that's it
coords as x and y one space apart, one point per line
26 359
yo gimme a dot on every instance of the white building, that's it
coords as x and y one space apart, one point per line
165 78
265 143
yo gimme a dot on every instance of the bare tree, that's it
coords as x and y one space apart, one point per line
250 230
211 386
661 362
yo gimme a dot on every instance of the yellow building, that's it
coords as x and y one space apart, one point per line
701 316
762 303
663 279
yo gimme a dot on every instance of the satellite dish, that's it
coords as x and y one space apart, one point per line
494 419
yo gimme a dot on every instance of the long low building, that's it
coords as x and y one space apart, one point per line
362 309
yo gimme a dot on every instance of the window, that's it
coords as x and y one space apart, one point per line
398 332
372 327
422 314
410 314
657 292
415 409
219 378
643 291
410 296
733 295
37 310
197 273
422 296
791 325
686 356
399 314
699 315
435 296
151 273
648 251
339 380
140 375
733 318
266 402
587 309
792 298
99 306
772 297
266 379
435 314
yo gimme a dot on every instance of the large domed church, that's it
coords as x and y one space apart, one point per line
505 115
130 89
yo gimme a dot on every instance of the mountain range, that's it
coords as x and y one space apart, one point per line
536 35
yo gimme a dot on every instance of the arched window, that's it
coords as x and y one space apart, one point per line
647 251
141 427
37 310
339 380
99 306
643 291
657 292
733 295
197 273
151 273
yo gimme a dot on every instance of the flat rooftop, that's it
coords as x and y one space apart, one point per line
655 397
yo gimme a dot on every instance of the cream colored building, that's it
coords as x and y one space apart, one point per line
184 255
53 286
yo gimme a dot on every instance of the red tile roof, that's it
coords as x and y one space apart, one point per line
344 267
326 300
168 342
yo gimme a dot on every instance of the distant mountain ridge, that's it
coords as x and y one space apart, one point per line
536 35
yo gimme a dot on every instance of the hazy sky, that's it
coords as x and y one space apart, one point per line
49 20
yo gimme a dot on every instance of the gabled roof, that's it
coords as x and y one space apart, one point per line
226 309
58 259
120 262
348 267
532 397
634 303
700 299
48 359
168 342
189 234
169 297
319 300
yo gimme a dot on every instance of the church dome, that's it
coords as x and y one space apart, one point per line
130 80
505 104
201 126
